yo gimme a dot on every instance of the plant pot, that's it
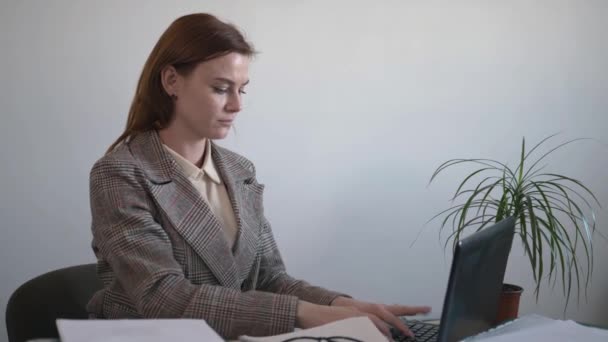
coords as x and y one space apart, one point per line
508 305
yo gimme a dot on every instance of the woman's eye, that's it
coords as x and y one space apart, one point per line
220 90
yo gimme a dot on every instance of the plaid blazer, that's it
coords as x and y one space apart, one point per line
162 254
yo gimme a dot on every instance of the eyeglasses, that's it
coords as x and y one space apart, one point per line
323 339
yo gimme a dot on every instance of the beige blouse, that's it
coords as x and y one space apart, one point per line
208 182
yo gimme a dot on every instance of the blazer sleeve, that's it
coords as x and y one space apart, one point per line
274 278
139 251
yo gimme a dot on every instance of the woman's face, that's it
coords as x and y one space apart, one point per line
210 97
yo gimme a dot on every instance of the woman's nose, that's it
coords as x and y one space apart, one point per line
234 103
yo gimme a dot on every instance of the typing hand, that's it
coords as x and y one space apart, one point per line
311 315
388 314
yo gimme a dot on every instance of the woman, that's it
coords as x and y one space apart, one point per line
178 223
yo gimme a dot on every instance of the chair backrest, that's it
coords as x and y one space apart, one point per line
33 308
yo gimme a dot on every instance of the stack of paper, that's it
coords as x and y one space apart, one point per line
136 330
539 329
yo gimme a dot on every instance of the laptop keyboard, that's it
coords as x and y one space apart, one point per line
425 332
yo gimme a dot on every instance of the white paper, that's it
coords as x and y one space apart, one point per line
360 328
136 330
540 329
524 322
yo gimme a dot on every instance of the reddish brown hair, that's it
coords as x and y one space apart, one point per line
188 41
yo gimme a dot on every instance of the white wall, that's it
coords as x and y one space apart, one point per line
351 107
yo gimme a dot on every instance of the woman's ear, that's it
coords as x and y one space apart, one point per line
169 79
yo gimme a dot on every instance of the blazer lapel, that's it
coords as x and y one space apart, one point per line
246 197
185 208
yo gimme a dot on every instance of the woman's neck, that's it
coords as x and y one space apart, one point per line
192 149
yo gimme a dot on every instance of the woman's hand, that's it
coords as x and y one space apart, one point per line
311 315
387 314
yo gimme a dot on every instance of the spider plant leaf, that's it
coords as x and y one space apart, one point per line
558 244
560 195
489 191
486 162
536 230
563 244
454 214
487 188
572 258
590 258
578 277
560 207
489 219
470 203
536 241
433 218
594 226
477 191
535 174
530 252
551 151
521 162
540 143
502 206
570 248
587 244
551 183
546 208
467 179
578 231
453 162
550 239
443 212
463 217
573 210
577 182
479 219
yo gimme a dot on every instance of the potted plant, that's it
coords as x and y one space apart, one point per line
554 216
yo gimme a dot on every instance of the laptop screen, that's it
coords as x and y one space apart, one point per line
475 283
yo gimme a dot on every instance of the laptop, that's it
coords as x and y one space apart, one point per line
476 277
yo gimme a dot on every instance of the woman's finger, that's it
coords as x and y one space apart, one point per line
383 327
396 322
403 310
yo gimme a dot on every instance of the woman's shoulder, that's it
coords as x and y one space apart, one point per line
119 155
233 158
118 161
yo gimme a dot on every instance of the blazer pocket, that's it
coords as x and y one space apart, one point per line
252 185
253 194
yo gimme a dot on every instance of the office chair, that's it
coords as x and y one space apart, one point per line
33 308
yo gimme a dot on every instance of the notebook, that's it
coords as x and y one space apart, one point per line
351 329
